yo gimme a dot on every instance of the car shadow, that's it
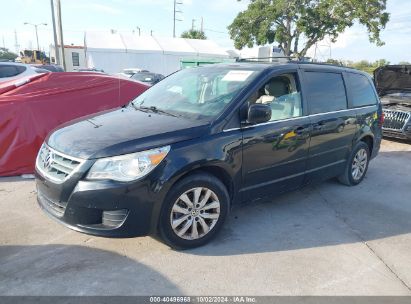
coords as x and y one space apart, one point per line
76 270
326 214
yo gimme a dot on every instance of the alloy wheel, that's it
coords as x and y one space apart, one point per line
195 213
359 164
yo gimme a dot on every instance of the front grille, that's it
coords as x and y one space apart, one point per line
55 165
395 120
57 208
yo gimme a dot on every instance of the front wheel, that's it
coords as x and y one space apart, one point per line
357 165
194 211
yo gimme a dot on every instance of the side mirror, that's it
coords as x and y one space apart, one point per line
258 113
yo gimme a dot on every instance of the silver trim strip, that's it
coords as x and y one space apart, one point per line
50 177
296 118
65 155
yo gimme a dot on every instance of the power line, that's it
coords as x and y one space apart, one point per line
35 28
215 31
16 43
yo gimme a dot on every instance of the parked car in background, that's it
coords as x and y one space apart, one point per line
91 70
13 70
175 159
32 106
147 77
50 67
393 84
130 72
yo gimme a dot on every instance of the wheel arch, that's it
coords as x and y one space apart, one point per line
369 140
217 172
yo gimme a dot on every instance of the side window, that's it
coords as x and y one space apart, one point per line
362 91
10 70
283 95
75 58
325 92
20 69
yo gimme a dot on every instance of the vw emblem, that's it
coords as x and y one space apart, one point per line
48 161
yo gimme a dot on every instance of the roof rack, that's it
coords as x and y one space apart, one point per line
328 64
263 59
291 59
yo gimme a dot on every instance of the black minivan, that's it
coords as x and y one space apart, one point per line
173 161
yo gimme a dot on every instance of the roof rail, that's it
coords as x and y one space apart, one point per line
329 64
263 59
292 59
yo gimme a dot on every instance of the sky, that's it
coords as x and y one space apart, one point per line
157 16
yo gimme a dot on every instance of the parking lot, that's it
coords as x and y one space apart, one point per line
326 239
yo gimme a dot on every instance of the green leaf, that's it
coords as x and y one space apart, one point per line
296 25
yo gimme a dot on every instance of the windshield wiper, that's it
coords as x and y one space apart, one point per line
134 106
154 109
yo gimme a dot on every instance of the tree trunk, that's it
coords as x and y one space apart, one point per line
304 51
296 41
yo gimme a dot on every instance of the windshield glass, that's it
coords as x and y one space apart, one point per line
196 93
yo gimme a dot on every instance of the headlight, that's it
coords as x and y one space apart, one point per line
128 167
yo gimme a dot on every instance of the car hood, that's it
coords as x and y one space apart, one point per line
393 78
122 131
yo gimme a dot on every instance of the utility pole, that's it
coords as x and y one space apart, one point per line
60 29
4 45
202 25
16 43
192 24
139 30
151 32
35 27
56 44
176 3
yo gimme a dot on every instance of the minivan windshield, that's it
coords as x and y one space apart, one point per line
196 93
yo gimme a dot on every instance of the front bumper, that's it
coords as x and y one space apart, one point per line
103 208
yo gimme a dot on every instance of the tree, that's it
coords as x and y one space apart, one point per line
296 25
6 55
194 34
334 61
365 65
404 63
381 62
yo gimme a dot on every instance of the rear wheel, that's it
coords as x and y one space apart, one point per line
357 165
194 211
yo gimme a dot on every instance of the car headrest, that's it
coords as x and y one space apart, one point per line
276 88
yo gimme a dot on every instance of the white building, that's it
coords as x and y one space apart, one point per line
113 52
74 55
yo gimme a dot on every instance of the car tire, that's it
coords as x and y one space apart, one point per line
357 165
194 211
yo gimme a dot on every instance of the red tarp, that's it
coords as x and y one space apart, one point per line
31 107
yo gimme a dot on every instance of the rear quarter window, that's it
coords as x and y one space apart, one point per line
325 92
11 70
362 90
